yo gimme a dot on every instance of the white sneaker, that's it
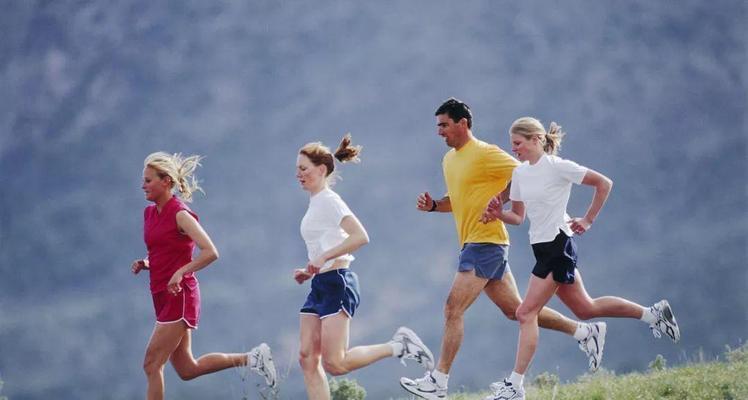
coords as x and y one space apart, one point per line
425 388
594 343
413 348
666 322
504 390
260 361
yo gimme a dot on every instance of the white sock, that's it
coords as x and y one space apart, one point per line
397 348
251 361
516 379
440 377
647 316
581 332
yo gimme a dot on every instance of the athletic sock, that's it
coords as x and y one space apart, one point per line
251 361
581 332
397 348
516 379
440 377
647 316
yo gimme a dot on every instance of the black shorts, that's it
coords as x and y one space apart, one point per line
558 256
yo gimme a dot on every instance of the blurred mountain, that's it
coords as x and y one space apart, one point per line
651 94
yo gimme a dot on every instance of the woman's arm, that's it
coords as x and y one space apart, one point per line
357 237
495 210
602 185
208 252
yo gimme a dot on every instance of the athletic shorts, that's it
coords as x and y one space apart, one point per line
184 306
558 256
333 291
489 260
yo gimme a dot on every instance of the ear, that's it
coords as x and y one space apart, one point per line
322 169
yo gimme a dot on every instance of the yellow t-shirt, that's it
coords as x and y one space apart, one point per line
474 174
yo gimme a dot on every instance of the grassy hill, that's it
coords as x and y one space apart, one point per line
723 379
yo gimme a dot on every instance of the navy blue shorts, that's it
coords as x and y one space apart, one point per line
558 256
489 260
333 291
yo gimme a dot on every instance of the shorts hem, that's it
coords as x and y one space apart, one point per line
189 325
337 312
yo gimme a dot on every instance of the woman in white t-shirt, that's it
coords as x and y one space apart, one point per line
332 232
541 186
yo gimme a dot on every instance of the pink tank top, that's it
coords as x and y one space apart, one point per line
168 249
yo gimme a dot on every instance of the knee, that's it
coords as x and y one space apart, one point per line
452 313
510 311
525 314
308 360
583 310
186 374
151 366
584 313
334 367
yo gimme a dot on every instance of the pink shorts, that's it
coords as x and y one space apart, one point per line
184 306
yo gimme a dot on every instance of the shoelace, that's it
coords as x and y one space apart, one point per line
409 355
498 387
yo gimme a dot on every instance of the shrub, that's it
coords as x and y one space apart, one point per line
658 364
346 389
545 380
737 355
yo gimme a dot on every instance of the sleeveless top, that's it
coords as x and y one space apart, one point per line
168 248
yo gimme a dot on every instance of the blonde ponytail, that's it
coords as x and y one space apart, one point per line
179 169
553 139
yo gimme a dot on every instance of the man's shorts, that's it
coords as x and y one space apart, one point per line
489 260
332 292
558 256
184 306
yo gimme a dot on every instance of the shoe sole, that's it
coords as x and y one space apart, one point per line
427 396
670 321
603 330
418 342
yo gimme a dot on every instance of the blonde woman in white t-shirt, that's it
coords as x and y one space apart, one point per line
332 233
541 186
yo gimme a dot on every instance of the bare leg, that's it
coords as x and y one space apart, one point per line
188 368
539 292
336 357
164 340
466 287
310 358
584 307
505 295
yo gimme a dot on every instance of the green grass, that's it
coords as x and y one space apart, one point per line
716 380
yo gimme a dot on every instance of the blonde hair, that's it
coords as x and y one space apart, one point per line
320 154
529 127
177 167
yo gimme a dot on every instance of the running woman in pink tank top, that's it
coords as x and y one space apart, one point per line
171 232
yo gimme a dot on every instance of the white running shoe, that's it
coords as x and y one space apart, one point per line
666 322
504 390
260 361
594 343
425 388
413 348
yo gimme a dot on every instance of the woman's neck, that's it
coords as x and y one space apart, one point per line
314 191
534 158
161 201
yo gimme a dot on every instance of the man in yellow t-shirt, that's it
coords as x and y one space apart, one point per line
475 172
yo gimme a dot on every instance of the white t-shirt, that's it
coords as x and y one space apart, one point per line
320 226
545 188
